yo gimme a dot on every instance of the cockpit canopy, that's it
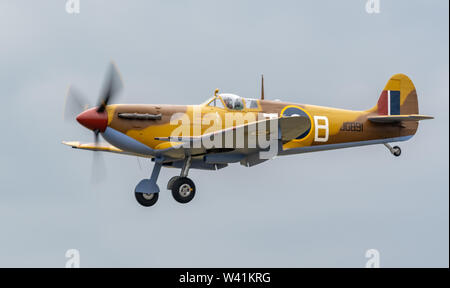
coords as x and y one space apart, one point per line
233 102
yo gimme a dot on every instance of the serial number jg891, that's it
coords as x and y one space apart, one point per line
352 127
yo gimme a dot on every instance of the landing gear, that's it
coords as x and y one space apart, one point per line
396 151
183 188
146 199
147 190
170 183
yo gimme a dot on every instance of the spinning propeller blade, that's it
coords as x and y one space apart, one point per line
113 85
74 104
94 119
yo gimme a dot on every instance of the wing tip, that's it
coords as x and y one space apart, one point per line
73 144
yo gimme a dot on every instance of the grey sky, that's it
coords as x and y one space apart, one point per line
320 209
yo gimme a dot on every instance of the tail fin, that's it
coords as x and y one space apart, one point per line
398 103
399 97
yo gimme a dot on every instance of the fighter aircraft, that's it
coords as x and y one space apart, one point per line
203 136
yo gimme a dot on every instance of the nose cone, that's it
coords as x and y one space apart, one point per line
93 120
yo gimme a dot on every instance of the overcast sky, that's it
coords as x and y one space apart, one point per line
320 209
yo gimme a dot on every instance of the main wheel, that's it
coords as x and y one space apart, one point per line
146 199
397 151
183 190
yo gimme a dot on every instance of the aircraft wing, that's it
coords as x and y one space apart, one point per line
230 151
99 147
289 128
176 148
398 118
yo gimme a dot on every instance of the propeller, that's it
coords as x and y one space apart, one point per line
74 104
113 85
95 118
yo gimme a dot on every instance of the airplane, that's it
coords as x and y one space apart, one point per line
173 136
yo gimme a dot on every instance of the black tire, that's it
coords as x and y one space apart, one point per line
179 190
146 200
397 151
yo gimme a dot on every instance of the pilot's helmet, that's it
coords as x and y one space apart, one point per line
228 102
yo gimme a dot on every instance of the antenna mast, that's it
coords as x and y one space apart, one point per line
262 87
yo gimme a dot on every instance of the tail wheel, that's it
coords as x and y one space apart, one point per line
183 190
396 151
147 199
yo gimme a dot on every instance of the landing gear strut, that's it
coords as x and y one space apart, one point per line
183 188
396 151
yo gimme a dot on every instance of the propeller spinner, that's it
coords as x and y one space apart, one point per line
95 119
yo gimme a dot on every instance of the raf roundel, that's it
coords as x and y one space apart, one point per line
297 111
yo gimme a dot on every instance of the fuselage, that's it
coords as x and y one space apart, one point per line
230 129
330 128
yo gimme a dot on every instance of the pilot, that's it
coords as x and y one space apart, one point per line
238 105
228 102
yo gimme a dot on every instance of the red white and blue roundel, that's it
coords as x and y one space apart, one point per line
389 103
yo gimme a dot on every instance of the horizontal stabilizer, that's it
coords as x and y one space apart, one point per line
398 118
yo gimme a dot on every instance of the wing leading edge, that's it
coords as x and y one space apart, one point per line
100 147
